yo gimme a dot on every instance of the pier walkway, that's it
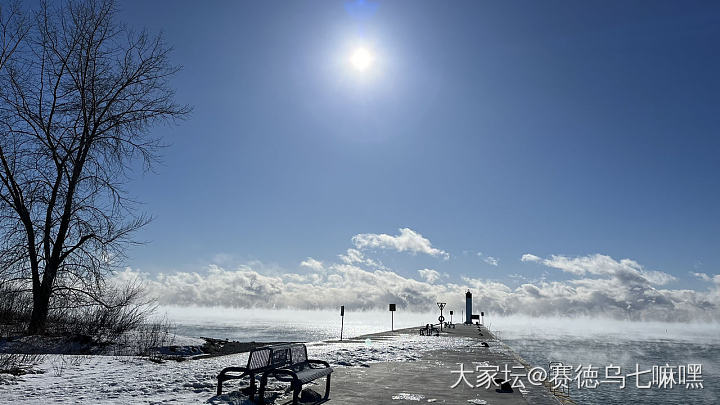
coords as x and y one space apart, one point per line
429 380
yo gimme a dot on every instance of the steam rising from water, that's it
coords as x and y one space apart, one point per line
608 288
268 325
575 341
602 285
517 326
602 342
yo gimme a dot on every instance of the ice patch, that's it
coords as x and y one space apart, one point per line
408 397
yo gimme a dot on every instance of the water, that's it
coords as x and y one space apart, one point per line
579 341
263 325
601 343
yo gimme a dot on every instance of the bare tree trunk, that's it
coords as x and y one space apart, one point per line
40 311
79 94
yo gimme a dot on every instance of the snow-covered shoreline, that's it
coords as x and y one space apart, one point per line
132 379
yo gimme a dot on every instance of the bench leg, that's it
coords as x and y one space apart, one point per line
297 389
327 387
253 387
221 379
261 392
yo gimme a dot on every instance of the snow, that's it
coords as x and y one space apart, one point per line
129 379
408 397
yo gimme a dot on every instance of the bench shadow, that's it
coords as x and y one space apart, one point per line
308 396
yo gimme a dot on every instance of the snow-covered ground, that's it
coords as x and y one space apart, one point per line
133 380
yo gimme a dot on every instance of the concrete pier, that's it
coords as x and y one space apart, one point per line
429 379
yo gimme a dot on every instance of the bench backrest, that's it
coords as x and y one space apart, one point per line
280 356
298 353
277 356
259 359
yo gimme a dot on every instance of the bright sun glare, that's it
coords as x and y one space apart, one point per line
361 59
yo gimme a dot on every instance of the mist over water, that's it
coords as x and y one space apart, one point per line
271 325
600 342
573 341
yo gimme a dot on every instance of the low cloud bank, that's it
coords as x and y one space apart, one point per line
601 286
619 289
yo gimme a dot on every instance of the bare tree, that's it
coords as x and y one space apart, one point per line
79 94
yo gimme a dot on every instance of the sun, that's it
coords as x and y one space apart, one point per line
361 59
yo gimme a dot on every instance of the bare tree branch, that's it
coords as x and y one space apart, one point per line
79 95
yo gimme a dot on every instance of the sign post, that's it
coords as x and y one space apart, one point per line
392 317
451 314
482 319
441 318
342 320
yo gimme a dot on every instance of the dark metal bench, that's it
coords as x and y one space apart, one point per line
289 363
258 362
429 330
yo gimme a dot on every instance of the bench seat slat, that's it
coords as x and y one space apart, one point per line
309 374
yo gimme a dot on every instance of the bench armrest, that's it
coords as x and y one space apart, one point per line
224 376
223 373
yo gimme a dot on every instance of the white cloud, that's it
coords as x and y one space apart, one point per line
407 241
598 264
599 286
354 256
702 276
491 260
312 264
527 257
617 292
429 275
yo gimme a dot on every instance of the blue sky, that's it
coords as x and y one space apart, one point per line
507 128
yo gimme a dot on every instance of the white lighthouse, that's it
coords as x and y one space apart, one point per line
468 307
